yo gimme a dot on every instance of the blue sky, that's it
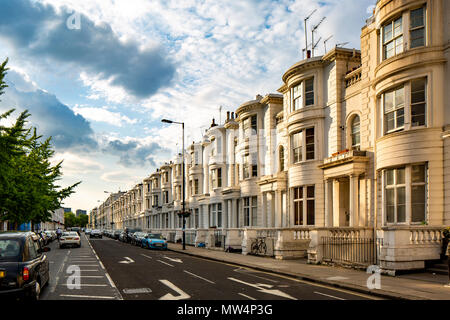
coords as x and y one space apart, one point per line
100 89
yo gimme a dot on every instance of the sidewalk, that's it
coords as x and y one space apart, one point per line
411 287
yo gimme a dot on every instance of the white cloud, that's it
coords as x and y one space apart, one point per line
75 165
104 115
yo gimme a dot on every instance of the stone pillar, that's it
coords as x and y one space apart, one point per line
353 203
336 203
225 215
278 210
264 209
328 204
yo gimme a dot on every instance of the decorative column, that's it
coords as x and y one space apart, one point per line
328 204
336 203
353 203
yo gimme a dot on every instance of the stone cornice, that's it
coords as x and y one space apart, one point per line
272 98
302 65
248 106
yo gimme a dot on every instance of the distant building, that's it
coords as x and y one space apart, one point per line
67 210
80 212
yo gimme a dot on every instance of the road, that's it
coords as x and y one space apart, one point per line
110 269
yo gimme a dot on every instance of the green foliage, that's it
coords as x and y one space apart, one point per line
71 220
28 181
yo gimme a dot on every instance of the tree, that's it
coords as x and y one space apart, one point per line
83 220
70 220
28 180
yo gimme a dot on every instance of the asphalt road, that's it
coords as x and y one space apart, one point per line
145 274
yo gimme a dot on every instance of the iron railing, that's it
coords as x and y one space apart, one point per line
355 251
219 239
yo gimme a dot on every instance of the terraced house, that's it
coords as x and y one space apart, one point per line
348 163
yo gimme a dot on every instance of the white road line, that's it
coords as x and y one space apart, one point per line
88 285
146 256
85 276
96 270
82 296
59 271
87 265
194 275
101 265
169 296
327 295
246 296
247 272
165 263
111 282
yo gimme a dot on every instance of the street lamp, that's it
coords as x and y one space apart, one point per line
183 210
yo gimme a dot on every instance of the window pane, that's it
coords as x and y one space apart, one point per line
310 144
399 45
309 92
389 50
298 213
418 173
310 192
387 33
401 212
389 177
310 212
388 101
417 38
390 205
398 27
400 121
400 176
417 18
390 121
418 203
399 97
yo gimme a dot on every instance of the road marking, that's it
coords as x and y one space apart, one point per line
337 278
260 287
165 263
249 272
85 276
246 296
87 297
174 259
96 270
137 291
61 268
194 275
169 296
129 260
146 256
87 265
327 295
88 285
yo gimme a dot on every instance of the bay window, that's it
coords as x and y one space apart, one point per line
405 194
417 28
250 206
303 146
249 166
394 113
303 94
392 38
304 205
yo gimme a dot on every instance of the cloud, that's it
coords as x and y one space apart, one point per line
76 165
135 152
51 118
104 115
119 177
40 31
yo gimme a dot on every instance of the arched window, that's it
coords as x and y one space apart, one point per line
355 127
281 158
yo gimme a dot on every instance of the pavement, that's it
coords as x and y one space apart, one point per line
419 286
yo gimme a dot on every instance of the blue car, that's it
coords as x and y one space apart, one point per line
154 241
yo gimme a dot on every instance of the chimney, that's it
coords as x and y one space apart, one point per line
308 54
228 116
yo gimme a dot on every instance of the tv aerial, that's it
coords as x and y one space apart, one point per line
314 28
325 43
306 34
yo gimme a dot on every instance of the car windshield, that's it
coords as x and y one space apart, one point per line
70 234
9 250
155 236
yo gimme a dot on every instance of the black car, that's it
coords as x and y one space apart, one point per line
24 269
116 234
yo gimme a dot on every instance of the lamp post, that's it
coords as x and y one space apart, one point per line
182 153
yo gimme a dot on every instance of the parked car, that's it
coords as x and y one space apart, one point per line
154 241
51 235
87 231
123 236
95 234
137 238
45 238
24 269
116 234
69 239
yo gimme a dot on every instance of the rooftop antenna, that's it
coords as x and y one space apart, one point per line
315 45
341 44
314 28
325 43
306 34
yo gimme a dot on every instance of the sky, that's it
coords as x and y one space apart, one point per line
99 75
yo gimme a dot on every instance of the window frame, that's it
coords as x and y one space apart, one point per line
299 93
300 200
393 38
303 147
